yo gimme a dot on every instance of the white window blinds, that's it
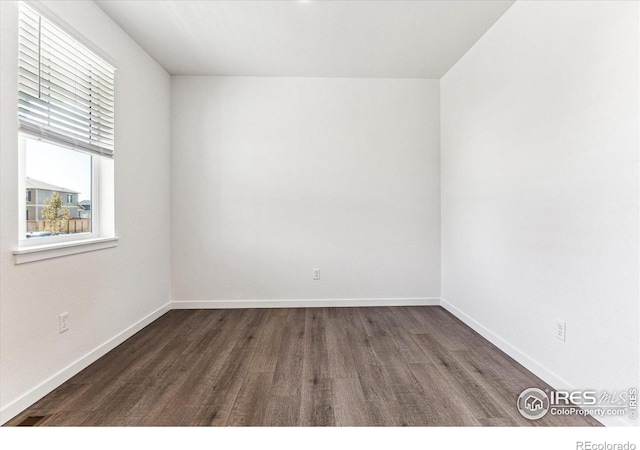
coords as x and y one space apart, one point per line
66 92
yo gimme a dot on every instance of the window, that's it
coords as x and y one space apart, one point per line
59 175
66 117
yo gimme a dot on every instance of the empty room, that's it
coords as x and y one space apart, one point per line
320 214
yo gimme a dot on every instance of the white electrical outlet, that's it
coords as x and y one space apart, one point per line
561 330
64 322
316 274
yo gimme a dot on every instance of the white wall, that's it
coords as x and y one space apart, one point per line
540 189
112 289
272 177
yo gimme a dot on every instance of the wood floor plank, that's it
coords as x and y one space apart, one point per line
387 351
350 404
317 408
373 322
161 391
316 405
482 367
114 409
353 318
203 373
409 320
251 325
405 385
339 357
219 397
375 385
287 377
296 316
316 357
251 403
282 411
469 392
442 327
268 345
504 365
332 313
416 405
184 416
207 333
437 353
386 414
409 349
361 348
392 322
438 393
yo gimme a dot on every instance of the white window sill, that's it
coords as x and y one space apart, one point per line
47 251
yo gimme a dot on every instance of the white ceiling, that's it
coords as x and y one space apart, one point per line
322 38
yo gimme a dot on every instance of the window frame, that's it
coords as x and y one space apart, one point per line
103 232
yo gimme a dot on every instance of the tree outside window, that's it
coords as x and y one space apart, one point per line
55 214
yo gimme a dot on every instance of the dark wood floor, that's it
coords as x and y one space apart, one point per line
384 366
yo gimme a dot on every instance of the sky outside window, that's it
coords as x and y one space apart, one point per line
59 166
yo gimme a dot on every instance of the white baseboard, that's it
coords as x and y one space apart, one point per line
20 404
303 303
541 371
